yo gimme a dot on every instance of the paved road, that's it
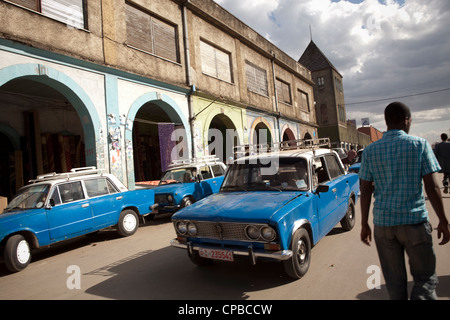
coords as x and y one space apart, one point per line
144 266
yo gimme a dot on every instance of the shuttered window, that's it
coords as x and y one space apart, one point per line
70 12
150 34
215 62
283 91
256 79
303 101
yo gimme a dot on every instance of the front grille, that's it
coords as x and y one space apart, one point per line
161 198
221 230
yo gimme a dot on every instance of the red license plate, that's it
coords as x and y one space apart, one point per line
216 254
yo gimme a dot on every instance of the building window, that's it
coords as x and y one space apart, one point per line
303 101
341 111
283 91
321 82
216 62
70 12
256 79
150 34
338 84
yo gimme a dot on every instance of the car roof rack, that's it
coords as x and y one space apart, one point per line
185 162
75 172
300 144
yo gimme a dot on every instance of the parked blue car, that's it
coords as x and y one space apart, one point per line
188 181
272 205
56 207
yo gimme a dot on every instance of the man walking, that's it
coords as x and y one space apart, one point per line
442 151
394 170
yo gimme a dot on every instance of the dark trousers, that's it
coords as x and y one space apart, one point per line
416 241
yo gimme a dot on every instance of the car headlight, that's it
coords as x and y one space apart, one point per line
252 232
169 198
182 227
191 229
268 234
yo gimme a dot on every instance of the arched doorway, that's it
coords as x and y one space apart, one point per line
7 167
262 134
152 143
50 116
288 135
222 137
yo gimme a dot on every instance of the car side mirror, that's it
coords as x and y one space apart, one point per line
199 177
322 188
51 204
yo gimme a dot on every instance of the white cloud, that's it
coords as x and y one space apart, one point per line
383 50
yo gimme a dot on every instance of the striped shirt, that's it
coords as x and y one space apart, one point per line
396 164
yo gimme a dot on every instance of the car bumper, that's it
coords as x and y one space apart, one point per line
274 255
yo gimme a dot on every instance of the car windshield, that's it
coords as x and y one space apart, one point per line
179 175
30 197
267 174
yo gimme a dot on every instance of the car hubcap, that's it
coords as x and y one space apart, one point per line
301 251
350 213
23 252
129 222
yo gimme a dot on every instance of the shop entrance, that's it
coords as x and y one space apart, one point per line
262 135
222 137
41 132
152 140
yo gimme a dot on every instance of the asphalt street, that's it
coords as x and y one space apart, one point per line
145 266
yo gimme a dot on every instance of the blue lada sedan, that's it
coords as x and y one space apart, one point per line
188 181
56 207
272 205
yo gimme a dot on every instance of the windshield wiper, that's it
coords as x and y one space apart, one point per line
240 188
265 185
14 209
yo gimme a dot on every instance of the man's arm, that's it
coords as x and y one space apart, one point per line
366 199
434 195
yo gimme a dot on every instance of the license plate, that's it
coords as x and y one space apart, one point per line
216 254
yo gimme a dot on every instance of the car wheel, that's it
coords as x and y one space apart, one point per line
297 266
128 223
186 201
348 221
17 253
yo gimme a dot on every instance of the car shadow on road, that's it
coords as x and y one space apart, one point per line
169 274
442 290
108 234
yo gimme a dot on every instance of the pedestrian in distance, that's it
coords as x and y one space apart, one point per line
351 155
442 152
394 170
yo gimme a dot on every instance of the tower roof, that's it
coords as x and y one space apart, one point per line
314 59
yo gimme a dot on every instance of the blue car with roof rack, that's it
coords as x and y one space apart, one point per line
57 207
275 204
188 181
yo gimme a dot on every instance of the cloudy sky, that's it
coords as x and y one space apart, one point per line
386 51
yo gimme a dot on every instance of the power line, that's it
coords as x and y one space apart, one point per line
401 97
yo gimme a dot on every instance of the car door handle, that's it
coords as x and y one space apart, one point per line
119 198
85 205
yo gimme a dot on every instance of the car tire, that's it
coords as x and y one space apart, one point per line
128 223
348 221
297 266
186 201
17 253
